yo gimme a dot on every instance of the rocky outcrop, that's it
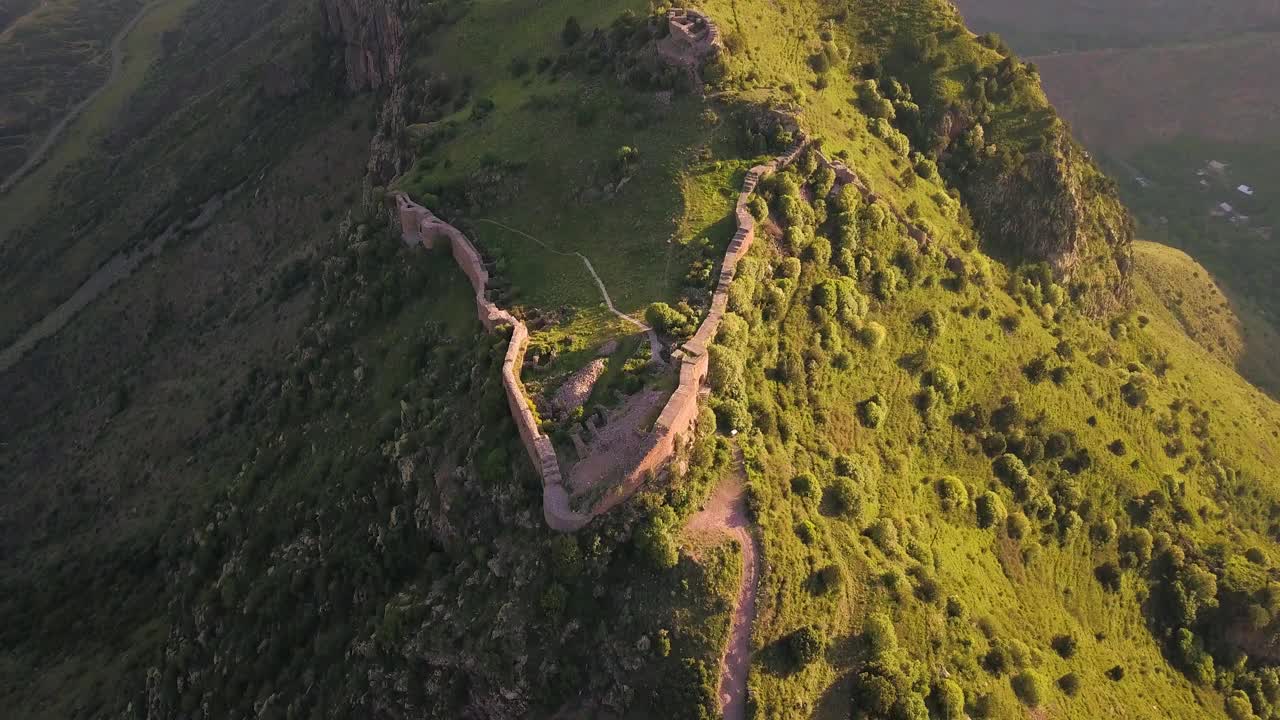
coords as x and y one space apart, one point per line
1055 207
370 37
574 392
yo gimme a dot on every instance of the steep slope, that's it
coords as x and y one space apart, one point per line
1159 91
1231 330
55 54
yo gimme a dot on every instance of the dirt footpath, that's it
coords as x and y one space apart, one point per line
726 513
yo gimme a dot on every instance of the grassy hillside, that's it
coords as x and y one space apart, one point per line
1232 330
874 435
999 463
1157 93
54 55
92 126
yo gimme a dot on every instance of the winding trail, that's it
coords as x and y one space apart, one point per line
117 65
655 345
726 513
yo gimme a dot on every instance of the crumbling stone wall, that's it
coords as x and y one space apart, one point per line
419 226
692 38
677 419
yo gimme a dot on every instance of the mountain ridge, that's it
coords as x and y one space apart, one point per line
988 470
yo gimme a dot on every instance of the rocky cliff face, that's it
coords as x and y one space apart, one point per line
370 34
1056 207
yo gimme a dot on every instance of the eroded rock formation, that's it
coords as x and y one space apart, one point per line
370 34
1056 208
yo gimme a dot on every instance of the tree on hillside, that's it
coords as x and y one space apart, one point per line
571 32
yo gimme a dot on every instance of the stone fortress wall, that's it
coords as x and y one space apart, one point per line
681 411
419 225
692 38
673 426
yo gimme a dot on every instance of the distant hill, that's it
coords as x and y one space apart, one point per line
1122 99
1040 26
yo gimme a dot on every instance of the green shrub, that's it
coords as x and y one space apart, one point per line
828 580
1239 708
1135 547
943 379
1029 686
996 661
789 268
932 322
874 695
844 498
1037 369
873 335
732 416
654 540
571 32
554 599
885 284
825 298
626 156
804 485
664 318
880 635
949 699
691 687
846 201
1017 525
873 412
805 646
566 558
1103 532
806 532
1070 684
819 252
1108 575
1065 645
885 535
726 370
990 510
952 493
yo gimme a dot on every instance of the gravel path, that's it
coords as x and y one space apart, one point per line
655 346
726 513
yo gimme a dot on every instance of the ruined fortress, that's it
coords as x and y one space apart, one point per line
692 39
418 225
